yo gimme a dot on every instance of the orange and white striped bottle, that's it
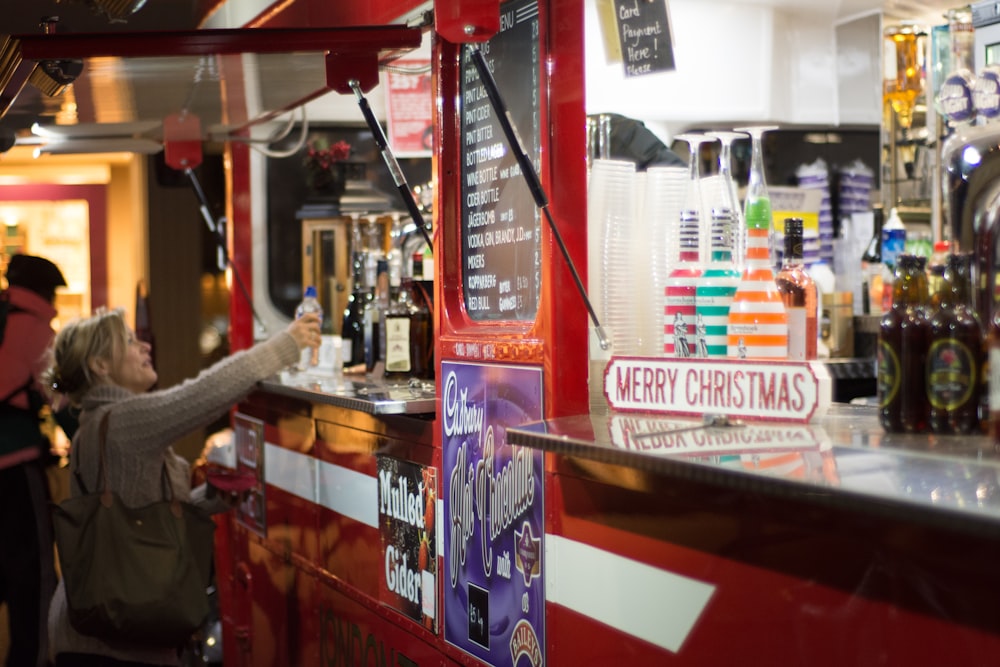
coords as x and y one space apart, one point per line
758 323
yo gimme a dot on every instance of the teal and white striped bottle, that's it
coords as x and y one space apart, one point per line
716 287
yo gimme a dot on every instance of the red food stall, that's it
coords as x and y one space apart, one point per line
489 517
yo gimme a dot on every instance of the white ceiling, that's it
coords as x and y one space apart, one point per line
930 12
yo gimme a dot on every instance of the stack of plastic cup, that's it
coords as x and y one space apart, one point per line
816 176
659 225
612 249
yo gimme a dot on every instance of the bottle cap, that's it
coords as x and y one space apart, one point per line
311 291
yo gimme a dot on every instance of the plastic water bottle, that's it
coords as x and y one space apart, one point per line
309 304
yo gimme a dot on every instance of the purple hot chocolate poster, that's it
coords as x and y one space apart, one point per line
494 599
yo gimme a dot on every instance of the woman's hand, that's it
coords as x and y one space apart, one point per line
305 330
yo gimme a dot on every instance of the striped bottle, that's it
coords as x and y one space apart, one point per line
758 324
679 311
716 287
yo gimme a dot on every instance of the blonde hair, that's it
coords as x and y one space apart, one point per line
104 335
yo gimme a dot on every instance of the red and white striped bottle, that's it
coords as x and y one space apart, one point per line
681 286
682 282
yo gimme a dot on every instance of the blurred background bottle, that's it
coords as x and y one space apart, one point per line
871 269
352 330
904 339
893 245
798 293
372 317
935 271
954 359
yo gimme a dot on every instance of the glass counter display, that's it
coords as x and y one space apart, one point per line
361 393
844 460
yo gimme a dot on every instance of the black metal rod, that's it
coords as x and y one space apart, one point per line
390 161
531 177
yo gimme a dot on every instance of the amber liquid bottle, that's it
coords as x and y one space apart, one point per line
904 340
409 336
955 355
798 293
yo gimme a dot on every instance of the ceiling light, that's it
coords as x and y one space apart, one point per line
105 145
93 130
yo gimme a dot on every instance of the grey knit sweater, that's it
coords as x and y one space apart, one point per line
141 428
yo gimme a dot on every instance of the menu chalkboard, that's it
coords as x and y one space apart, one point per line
644 33
501 226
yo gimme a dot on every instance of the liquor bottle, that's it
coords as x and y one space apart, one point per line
681 284
758 324
409 339
893 245
904 340
427 263
715 288
717 285
680 291
955 355
871 269
309 304
352 331
935 272
372 317
798 293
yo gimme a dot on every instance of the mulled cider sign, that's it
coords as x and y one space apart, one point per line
763 390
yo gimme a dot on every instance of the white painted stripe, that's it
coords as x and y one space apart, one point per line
348 492
646 602
290 471
655 605
340 489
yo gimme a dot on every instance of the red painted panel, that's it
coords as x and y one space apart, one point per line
558 337
240 245
752 626
352 634
317 13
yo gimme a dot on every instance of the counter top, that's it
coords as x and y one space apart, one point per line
367 395
845 459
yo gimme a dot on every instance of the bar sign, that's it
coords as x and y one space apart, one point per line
644 34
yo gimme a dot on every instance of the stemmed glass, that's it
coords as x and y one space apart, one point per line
728 204
757 206
693 205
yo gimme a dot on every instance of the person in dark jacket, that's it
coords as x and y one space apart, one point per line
27 570
630 139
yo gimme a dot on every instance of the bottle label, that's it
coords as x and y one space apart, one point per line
951 374
397 345
893 245
678 324
797 333
994 370
888 374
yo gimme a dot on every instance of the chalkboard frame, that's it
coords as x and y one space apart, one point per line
499 221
